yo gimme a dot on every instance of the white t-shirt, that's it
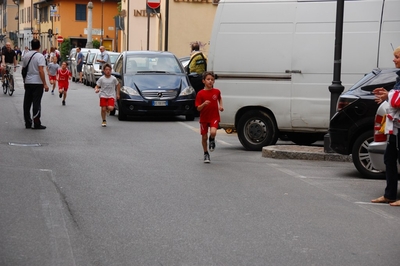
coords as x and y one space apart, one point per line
33 69
107 86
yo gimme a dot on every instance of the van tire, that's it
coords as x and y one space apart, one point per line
256 129
361 159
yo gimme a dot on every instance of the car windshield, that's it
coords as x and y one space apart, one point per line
113 58
376 79
91 56
152 64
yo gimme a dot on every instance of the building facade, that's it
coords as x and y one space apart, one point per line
50 20
179 23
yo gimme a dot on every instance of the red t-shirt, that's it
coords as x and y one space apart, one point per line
210 112
63 76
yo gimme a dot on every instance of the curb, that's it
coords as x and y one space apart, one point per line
302 153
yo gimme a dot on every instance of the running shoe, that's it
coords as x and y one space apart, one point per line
211 145
104 124
63 102
206 158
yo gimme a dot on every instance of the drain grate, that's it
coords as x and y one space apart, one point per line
25 144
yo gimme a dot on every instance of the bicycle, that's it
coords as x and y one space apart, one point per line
8 83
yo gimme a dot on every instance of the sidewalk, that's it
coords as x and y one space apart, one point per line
302 153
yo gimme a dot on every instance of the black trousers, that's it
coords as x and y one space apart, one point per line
392 154
32 98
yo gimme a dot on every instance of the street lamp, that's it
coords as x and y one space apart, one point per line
102 30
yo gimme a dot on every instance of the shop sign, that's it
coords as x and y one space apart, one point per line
141 13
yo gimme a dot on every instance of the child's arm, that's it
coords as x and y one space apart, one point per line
201 106
221 106
118 90
96 89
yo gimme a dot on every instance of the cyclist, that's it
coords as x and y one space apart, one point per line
8 56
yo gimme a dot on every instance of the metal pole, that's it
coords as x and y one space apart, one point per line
336 88
148 31
89 43
102 27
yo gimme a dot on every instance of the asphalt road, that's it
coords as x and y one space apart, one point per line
138 193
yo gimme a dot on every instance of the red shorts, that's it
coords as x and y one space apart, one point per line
63 86
52 77
107 102
205 125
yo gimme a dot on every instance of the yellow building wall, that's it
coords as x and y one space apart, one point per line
189 21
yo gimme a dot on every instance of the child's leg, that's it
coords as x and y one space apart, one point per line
103 112
110 108
65 95
213 132
204 142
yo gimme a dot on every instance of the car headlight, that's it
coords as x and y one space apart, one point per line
130 91
187 91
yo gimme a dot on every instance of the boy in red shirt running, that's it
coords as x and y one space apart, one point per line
63 77
208 103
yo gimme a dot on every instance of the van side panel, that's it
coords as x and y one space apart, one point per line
251 52
313 54
390 37
278 54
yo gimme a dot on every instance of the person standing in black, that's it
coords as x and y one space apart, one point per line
8 56
35 82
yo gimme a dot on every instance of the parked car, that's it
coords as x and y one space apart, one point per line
71 55
75 75
184 61
87 62
376 149
94 71
153 83
351 129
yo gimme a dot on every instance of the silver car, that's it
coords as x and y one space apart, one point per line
87 77
84 51
376 149
94 68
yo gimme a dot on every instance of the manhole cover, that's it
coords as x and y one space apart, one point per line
24 144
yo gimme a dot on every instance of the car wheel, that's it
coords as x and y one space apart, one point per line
190 117
304 138
121 115
256 129
361 159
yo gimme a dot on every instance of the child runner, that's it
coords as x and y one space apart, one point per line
106 85
208 103
52 68
63 77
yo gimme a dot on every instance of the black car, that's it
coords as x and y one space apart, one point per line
153 83
351 129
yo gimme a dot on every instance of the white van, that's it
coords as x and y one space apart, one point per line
274 60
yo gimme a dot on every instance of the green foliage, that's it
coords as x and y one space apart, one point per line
96 44
65 48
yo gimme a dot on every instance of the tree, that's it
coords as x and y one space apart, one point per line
96 44
65 48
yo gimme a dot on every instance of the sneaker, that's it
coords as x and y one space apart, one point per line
60 95
108 112
52 92
206 158
63 102
104 124
211 145
39 127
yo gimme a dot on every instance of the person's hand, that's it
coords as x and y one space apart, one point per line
118 96
207 102
221 109
46 88
96 90
380 95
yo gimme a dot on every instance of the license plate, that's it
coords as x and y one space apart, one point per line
160 103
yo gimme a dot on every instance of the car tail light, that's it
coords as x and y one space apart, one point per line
344 102
378 135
